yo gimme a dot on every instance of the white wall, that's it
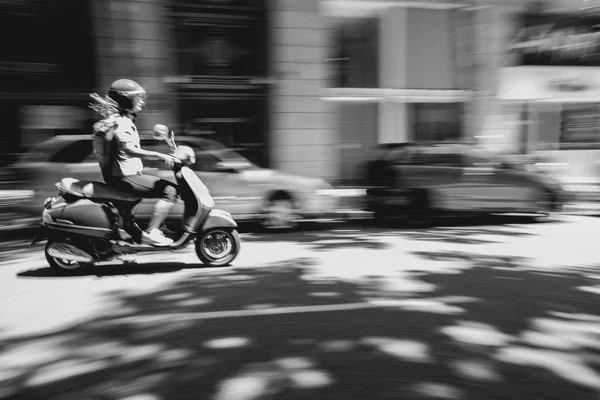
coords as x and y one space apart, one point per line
302 126
393 122
494 123
392 74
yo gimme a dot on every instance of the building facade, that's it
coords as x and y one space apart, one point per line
304 86
401 71
44 78
307 87
541 92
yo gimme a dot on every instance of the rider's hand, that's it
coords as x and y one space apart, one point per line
168 160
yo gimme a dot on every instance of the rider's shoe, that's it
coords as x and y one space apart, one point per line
156 238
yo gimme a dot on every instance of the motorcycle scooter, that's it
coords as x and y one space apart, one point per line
90 222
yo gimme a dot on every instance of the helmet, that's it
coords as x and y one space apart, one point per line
128 94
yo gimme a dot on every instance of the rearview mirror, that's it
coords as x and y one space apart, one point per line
162 132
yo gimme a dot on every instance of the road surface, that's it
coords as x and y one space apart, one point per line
454 312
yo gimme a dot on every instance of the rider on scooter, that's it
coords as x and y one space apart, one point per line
117 148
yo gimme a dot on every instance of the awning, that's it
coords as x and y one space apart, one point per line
549 84
395 95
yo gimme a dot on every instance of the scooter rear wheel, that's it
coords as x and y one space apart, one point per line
58 264
218 247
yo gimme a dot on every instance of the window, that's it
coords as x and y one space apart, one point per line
580 126
436 122
354 58
39 58
73 153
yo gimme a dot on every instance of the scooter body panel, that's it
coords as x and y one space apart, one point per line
81 217
219 219
197 198
86 213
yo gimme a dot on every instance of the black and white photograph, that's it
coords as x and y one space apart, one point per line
300 200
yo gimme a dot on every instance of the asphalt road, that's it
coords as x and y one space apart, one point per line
454 312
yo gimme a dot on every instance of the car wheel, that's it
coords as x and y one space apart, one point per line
543 205
391 207
419 210
376 205
279 213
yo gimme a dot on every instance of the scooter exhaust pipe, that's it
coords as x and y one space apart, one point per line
69 252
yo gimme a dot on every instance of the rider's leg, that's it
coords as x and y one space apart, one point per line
148 186
162 207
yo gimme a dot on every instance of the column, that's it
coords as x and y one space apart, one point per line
393 122
303 133
392 116
133 40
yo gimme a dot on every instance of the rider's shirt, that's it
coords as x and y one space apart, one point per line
125 133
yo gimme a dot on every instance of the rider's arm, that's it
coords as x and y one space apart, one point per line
131 149
128 139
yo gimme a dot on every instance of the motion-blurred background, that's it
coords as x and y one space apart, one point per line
308 88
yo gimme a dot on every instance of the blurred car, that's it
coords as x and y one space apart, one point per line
277 200
578 171
455 177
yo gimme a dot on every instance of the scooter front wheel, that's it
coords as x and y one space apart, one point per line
218 247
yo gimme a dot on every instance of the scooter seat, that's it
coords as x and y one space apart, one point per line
95 190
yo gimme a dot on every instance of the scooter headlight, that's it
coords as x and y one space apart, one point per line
186 154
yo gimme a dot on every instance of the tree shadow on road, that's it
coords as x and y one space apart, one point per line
112 269
473 230
487 328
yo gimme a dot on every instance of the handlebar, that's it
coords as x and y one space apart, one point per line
175 159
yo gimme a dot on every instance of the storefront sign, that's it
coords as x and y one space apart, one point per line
561 84
557 40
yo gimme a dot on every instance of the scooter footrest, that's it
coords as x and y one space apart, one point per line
130 244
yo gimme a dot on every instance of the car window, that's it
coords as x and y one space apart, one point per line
480 158
73 153
437 158
398 156
42 152
206 162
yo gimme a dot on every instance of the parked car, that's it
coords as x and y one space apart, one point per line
248 192
426 178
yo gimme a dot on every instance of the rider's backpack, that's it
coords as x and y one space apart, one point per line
102 137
